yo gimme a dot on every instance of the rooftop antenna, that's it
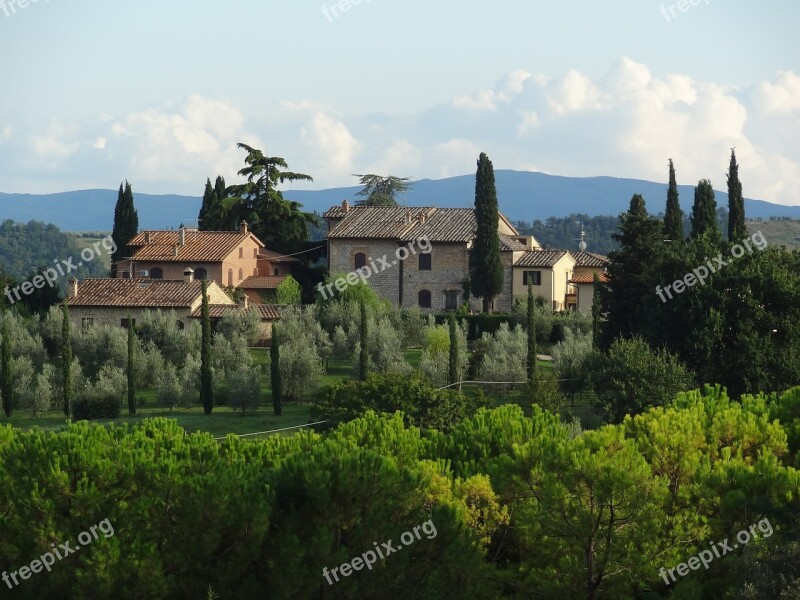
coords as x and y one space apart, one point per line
582 244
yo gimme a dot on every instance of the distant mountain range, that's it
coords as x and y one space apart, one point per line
523 196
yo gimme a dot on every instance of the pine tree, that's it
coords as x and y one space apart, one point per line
206 382
363 357
634 272
704 211
486 269
736 227
131 376
275 372
673 219
126 222
209 200
531 358
7 382
66 358
454 358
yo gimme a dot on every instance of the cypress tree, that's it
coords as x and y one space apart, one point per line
206 383
531 362
453 364
704 211
363 356
486 269
673 219
131 376
7 384
66 358
736 227
275 372
126 222
209 198
596 311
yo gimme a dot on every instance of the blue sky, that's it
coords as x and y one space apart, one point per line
160 92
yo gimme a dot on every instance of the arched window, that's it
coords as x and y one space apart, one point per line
241 274
424 298
200 273
156 273
230 276
361 260
425 262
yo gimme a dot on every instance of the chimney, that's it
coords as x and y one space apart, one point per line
408 216
345 206
421 217
245 303
183 236
146 237
243 226
73 287
188 275
175 250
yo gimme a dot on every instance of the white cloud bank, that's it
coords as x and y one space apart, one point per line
626 123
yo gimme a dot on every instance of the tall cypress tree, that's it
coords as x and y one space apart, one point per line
209 198
673 219
704 211
486 270
275 372
131 376
66 358
736 227
531 362
453 358
596 328
363 356
126 222
6 382
206 382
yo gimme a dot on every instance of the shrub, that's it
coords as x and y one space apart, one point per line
244 388
505 356
245 324
435 354
288 292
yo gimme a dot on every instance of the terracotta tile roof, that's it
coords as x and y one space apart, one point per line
405 223
589 259
540 258
157 293
268 312
261 283
334 212
275 256
201 246
510 244
590 278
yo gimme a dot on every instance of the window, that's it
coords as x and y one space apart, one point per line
451 300
361 260
535 277
241 252
124 323
200 274
425 262
255 252
230 276
424 298
126 274
156 273
86 322
277 272
241 274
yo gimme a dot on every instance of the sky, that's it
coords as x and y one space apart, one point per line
159 93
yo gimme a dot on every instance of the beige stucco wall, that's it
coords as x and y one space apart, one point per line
554 282
585 297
